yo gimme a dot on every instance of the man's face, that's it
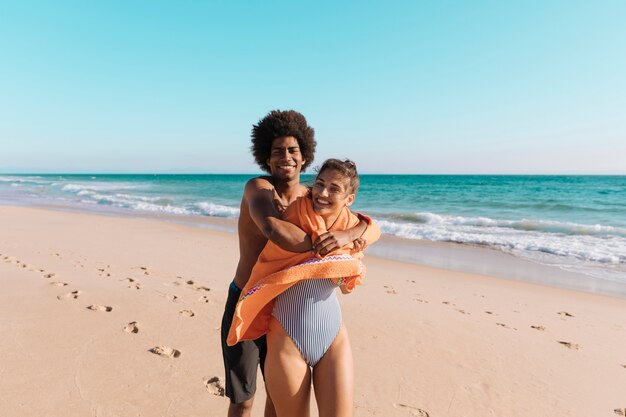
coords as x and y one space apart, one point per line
285 159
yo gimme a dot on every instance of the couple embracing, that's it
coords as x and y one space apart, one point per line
297 245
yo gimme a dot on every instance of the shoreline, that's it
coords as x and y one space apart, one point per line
444 255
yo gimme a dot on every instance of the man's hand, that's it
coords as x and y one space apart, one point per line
329 241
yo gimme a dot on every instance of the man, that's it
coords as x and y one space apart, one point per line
283 145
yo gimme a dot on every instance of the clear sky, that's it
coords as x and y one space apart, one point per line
456 87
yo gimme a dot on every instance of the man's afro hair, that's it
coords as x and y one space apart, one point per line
277 124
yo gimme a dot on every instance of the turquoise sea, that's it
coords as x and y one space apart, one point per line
577 223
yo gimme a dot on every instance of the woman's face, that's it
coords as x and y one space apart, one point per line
331 193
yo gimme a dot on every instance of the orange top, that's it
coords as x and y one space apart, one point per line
277 270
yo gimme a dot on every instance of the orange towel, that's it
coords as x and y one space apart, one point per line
277 269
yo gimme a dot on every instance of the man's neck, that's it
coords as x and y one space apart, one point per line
287 191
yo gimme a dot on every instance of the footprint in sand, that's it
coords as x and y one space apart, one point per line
569 345
489 312
540 328
415 411
623 365
187 313
462 311
136 286
564 314
58 284
131 327
620 411
103 272
50 275
189 282
390 290
420 300
97 307
165 351
70 295
201 288
214 386
505 326
173 298
204 299
144 269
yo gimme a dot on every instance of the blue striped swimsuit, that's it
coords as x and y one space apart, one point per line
310 314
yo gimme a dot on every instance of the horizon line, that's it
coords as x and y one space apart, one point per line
305 173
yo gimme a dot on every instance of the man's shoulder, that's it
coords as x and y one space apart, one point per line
257 184
263 181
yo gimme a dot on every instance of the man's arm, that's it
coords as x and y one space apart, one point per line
259 195
366 229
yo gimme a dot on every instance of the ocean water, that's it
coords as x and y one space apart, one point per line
577 223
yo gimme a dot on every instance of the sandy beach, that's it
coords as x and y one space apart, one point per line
111 316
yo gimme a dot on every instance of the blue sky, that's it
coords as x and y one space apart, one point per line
454 87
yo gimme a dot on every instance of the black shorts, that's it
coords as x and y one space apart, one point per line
241 360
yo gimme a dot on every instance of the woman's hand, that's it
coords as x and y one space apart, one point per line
359 244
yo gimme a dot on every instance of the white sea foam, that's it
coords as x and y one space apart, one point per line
23 180
169 209
118 199
573 250
99 187
130 197
149 203
217 210
523 224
